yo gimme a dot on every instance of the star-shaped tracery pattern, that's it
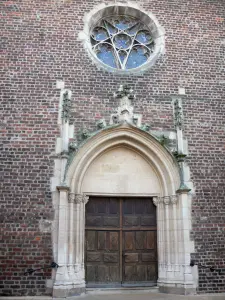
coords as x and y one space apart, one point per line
122 42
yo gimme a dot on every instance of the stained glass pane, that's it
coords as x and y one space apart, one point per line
111 29
123 22
122 36
105 53
133 30
122 41
138 56
99 34
144 37
122 55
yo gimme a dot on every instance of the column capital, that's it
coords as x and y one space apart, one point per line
174 199
166 200
78 198
71 198
85 199
156 200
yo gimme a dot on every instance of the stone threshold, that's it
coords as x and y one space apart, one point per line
122 290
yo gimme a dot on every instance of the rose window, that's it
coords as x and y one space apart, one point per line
122 42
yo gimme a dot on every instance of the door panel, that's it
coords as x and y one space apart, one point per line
139 257
102 257
120 242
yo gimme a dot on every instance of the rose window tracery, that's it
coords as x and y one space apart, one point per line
122 42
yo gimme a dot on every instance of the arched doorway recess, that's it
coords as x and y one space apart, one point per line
103 156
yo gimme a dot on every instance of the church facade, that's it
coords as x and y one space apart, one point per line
113 147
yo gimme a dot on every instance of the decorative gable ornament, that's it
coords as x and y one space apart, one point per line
125 110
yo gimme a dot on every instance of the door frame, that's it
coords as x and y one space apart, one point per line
121 229
173 212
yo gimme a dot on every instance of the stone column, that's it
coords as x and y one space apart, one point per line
77 235
79 238
62 280
71 270
189 284
174 235
160 234
84 202
166 201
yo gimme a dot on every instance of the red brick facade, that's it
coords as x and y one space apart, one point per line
39 46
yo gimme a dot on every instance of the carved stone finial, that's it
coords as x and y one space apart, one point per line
66 106
125 109
124 91
178 114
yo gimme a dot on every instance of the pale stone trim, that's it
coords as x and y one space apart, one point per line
173 213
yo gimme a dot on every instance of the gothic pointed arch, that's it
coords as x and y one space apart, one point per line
127 136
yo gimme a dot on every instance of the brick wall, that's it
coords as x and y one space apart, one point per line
40 45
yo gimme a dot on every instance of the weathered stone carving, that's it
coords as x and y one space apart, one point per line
166 200
156 200
85 199
66 106
178 114
101 124
71 198
124 91
125 109
174 199
78 198
145 127
85 134
72 146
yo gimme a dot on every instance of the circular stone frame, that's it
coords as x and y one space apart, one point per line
130 9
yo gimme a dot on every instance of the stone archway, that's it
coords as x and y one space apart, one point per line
173 215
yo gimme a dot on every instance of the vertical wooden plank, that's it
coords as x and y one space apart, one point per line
101 240
90 273
114 240
114 274
114 206
140 240
141 273
129 240
101 205
90 240
150 239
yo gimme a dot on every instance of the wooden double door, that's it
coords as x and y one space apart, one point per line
121 246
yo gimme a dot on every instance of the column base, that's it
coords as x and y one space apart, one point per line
64 291
177 289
